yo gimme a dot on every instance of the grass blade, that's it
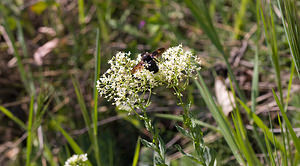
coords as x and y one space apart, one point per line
275 149
270 33
95 114
285 109
285 155
288 123
255 80
254 88
25 53
289 85
29 131
49 156
136 153
82 106
261 125
100 12
290 21
270 152
254 95
241 134
81 11
201 13
12 117
218 115
239 18
16 54
96 77
70 140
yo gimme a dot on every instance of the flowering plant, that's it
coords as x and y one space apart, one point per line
77 160
132 91
127 90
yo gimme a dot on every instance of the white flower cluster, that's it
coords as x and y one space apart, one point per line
122 87
177 65
127 90
77 160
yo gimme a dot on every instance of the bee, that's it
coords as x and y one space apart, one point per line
148 61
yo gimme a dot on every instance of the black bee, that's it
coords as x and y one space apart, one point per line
148 61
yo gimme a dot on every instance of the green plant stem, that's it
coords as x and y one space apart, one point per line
29 131
187 120
149 127
95 113
153 132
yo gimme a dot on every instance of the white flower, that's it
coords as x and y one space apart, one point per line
77 160
177 65
127 90
122 87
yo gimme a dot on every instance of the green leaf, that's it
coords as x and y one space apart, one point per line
270 33
261 125
195 159
12 117
161 145
83 107
70 140
147 143
183 131
288 123
270 152
291 24
137 152
179 118
29 131
220 118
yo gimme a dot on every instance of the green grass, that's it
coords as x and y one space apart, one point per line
29 132
291 26
12 117
95 114
57 107
137 152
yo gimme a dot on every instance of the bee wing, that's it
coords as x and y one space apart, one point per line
157 52
138 67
